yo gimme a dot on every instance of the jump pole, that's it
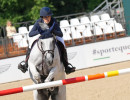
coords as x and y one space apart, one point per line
64 82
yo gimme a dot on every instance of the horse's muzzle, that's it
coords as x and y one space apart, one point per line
49 59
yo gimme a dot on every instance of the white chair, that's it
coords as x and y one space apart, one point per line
105 16
87 32
76 35
80 28
65 28
109 32
77 31
77 25
88 36
84 20
118 27
30 27
64 23
101 24
74 21
22 42
98 30
120 31
94 18
99 33
111 22
66 35
17 37
23 30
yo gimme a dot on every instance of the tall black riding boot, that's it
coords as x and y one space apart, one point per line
23 66
68 67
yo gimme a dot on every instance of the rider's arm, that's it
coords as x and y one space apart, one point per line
57 31
34 30
38 30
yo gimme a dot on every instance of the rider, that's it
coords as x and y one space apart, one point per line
46 17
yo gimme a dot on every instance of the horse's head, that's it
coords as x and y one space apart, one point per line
47 47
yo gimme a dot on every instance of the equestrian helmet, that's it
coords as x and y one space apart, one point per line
45 11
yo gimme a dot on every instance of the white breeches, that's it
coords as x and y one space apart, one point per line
61 40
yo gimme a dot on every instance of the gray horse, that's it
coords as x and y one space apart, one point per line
45 66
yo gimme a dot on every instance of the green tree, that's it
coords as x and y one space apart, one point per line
21 10
64 7
14 10
26 10
93 4
35 10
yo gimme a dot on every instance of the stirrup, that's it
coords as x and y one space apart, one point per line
69 69
23 66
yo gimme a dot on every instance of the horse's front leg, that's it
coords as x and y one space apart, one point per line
52 74
34 72
50 77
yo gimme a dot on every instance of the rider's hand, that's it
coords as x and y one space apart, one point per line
47 31
46 34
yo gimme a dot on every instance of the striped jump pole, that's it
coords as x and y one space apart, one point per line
64 82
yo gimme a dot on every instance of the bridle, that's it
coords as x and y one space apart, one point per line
46 51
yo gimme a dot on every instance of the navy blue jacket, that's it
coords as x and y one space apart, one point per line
46 33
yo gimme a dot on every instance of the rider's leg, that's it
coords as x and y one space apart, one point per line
68 67
23 66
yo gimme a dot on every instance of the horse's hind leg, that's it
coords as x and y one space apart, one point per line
54 93
61 93
41 96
